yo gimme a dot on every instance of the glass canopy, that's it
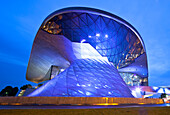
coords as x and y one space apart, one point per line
110 38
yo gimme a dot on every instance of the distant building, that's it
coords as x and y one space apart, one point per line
86 52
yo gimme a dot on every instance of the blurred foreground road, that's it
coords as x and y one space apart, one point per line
77 107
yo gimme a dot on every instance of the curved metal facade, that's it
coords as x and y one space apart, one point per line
86 78
112 37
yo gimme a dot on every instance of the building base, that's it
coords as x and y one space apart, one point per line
75 101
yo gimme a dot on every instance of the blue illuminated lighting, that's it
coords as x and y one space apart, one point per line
106 36
83 40
78 84
137 89
83 85
80 91
88 93
134 93
88 83
89 36
96 87
167 104
98 35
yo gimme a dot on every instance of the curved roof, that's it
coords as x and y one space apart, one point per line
97 12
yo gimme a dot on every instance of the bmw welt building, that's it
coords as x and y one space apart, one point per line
87 52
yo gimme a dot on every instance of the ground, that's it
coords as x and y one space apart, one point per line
103 111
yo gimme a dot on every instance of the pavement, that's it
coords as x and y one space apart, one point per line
78 107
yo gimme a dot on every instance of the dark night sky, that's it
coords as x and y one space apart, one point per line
21 19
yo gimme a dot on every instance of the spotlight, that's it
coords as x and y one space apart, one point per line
83 40
137 89
98 35
106 36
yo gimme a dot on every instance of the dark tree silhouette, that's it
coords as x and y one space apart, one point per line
9 91
39 85
26 86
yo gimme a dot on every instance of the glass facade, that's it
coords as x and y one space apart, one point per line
110 38
132 79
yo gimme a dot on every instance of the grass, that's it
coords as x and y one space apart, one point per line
104 111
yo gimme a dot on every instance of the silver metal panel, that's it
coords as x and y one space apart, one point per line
48 50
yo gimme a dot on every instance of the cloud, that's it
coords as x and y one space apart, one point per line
27 25
12 59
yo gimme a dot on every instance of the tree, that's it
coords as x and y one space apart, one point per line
9 91
163 95
26 86
39 85
14 91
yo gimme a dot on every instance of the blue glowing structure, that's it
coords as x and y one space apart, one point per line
86 77
110 35
91 51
